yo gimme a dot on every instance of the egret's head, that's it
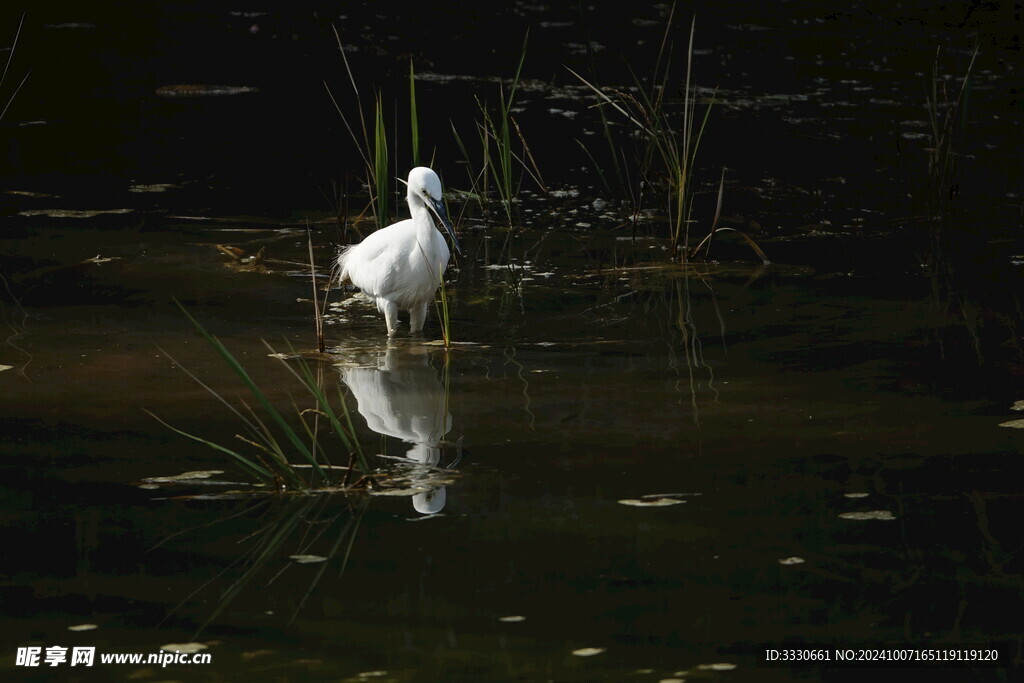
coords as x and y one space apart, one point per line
425 184
425 187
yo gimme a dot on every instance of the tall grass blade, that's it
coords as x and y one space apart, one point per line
249 466
267 406
7 66
380 164
507 108
365 145
535 173
442 314
249 425
413 118
318 321
746 238
597 166
608 100
305 376
714 223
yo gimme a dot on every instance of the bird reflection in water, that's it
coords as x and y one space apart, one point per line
403 397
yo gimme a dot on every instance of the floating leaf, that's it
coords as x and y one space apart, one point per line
653 502
27 193
792 560
307 559
512 619
717 666
156 187
202 90
1014 424
857 494
6 367
83 627
101 259
184 476
72 213
874 514
372 674
1018 405
401 492
184 648
588 651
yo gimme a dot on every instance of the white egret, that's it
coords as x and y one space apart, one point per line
400 266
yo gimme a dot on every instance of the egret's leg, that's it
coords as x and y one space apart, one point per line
391 316
417 315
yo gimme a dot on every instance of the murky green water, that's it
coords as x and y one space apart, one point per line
810 452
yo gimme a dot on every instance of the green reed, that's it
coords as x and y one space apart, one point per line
380 184
671 140
274 438
414 121
500 137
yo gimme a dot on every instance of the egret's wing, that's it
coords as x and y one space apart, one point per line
371 265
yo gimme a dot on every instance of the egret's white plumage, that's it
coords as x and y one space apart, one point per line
400 266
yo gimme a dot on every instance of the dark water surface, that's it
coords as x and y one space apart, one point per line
826 428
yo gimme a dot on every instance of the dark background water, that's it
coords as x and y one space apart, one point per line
765 395
810 93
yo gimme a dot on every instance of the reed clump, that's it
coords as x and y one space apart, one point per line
505 156
670 135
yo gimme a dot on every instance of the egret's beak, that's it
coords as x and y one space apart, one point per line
437 206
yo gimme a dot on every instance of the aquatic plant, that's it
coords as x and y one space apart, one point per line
499 157
373 151
318 312
414 119
7 67
441 308
380 163
705 244
668 155
274 449
947 117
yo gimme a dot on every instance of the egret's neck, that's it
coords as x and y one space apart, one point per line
420 213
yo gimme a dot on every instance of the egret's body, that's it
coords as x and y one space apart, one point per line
400 266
